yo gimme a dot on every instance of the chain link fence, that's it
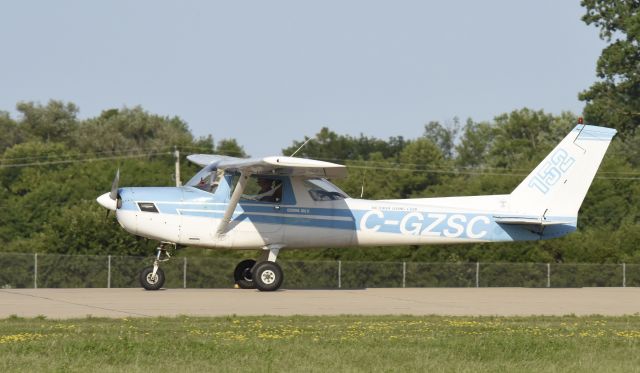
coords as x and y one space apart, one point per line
85 271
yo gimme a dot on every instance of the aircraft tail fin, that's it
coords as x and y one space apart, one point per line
556 188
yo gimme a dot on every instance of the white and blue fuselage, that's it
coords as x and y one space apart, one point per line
190 216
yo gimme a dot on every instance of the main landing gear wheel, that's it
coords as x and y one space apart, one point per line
149 281
242 274
267 276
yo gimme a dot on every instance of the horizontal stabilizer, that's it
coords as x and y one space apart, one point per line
525 220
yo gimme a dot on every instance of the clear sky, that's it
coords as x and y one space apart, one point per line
270 72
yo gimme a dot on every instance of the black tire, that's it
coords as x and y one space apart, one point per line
267 276
242 274
149 283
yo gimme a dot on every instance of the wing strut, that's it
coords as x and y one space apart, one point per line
233 202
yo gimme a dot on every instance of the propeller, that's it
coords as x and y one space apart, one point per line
114 186
110 200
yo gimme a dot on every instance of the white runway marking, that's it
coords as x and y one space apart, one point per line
70 303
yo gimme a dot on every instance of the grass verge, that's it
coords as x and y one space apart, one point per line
341 343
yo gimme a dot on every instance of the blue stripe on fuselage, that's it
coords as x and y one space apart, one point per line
434 224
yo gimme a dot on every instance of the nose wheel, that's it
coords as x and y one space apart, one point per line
151 281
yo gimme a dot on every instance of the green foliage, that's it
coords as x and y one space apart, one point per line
55 122
443 136
474 145
231 148
53 166
423 156
85 228
328 145
131 130
11 134
524 137
614 100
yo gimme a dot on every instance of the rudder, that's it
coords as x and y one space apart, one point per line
556 188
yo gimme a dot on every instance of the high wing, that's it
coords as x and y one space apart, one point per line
207 159
276 164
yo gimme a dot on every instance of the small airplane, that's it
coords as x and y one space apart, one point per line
281 202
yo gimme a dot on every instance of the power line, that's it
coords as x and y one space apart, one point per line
343 160
386 166
436 171
457 172
35 164
451 168
49 156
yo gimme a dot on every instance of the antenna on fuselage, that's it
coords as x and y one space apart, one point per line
176 153
301 146
362 186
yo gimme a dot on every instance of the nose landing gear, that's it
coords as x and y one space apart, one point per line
152 278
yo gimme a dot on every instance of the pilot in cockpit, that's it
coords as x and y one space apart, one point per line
202 184
209 183
270 191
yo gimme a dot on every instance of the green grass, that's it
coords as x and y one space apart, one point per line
346 343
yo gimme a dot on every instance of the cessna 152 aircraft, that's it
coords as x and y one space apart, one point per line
281 202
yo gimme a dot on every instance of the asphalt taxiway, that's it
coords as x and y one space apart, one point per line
73 303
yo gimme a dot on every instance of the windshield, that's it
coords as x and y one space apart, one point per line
207 179
323 190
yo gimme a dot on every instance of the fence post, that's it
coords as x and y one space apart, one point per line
548 275
35 270
109 272
624 275
184 273
404 274
339 274
477 274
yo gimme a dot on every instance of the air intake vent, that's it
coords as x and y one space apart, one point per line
147 206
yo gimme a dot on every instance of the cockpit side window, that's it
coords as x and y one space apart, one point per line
263 189
323 190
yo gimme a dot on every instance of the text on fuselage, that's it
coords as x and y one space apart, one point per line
553 170
433 224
